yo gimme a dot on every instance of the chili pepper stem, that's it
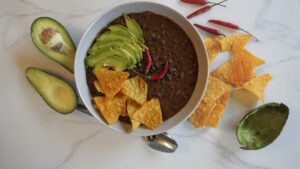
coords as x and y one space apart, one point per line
249 34
219 3
203 10
199 2
222 35
136 72
213 3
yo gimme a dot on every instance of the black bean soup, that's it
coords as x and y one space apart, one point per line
166 42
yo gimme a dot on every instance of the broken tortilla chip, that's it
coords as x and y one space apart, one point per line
223 72
200 115
212 106
97 86
257 85
239 68
111 108
149 114
213 47
229 41
215 115
245 63
132 107
136 88
215 89
110 81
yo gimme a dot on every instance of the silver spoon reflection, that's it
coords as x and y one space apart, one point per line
161 142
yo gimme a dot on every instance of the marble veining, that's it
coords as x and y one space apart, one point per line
32 136
74 147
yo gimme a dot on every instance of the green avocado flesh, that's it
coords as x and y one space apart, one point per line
51 38
133 25
262 125
121 59
57 93
120 48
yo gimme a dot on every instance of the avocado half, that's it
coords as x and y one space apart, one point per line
52 39
262 125
57 93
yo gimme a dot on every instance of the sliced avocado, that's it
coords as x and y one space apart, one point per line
114 62
124 57
57 93
131 57
133 48
133 25
52 39
262 125
124 29
94 48
96 51
121 36
120 28
119 42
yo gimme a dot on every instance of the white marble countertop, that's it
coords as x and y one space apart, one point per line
32 136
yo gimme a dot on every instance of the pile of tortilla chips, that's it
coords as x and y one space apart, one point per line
237 72
125 97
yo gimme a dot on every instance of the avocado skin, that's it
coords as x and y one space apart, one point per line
49 75
262 125
55 24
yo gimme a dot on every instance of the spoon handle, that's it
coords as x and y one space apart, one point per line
83 109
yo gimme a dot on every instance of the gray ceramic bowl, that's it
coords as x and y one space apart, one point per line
101 22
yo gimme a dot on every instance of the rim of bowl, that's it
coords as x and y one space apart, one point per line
150 132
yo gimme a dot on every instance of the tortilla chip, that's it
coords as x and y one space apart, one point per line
215 89
97 86
201 113
247 57
213 104
257 85
233 40
239 68
213 47
110 81
223 72
111 108
136 88
149 114
216 113
245 62
132 107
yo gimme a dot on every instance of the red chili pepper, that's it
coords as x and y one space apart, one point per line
149 61
160 74
203 10
200 2
209 30
230 25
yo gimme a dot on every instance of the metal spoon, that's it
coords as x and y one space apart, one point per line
161 142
